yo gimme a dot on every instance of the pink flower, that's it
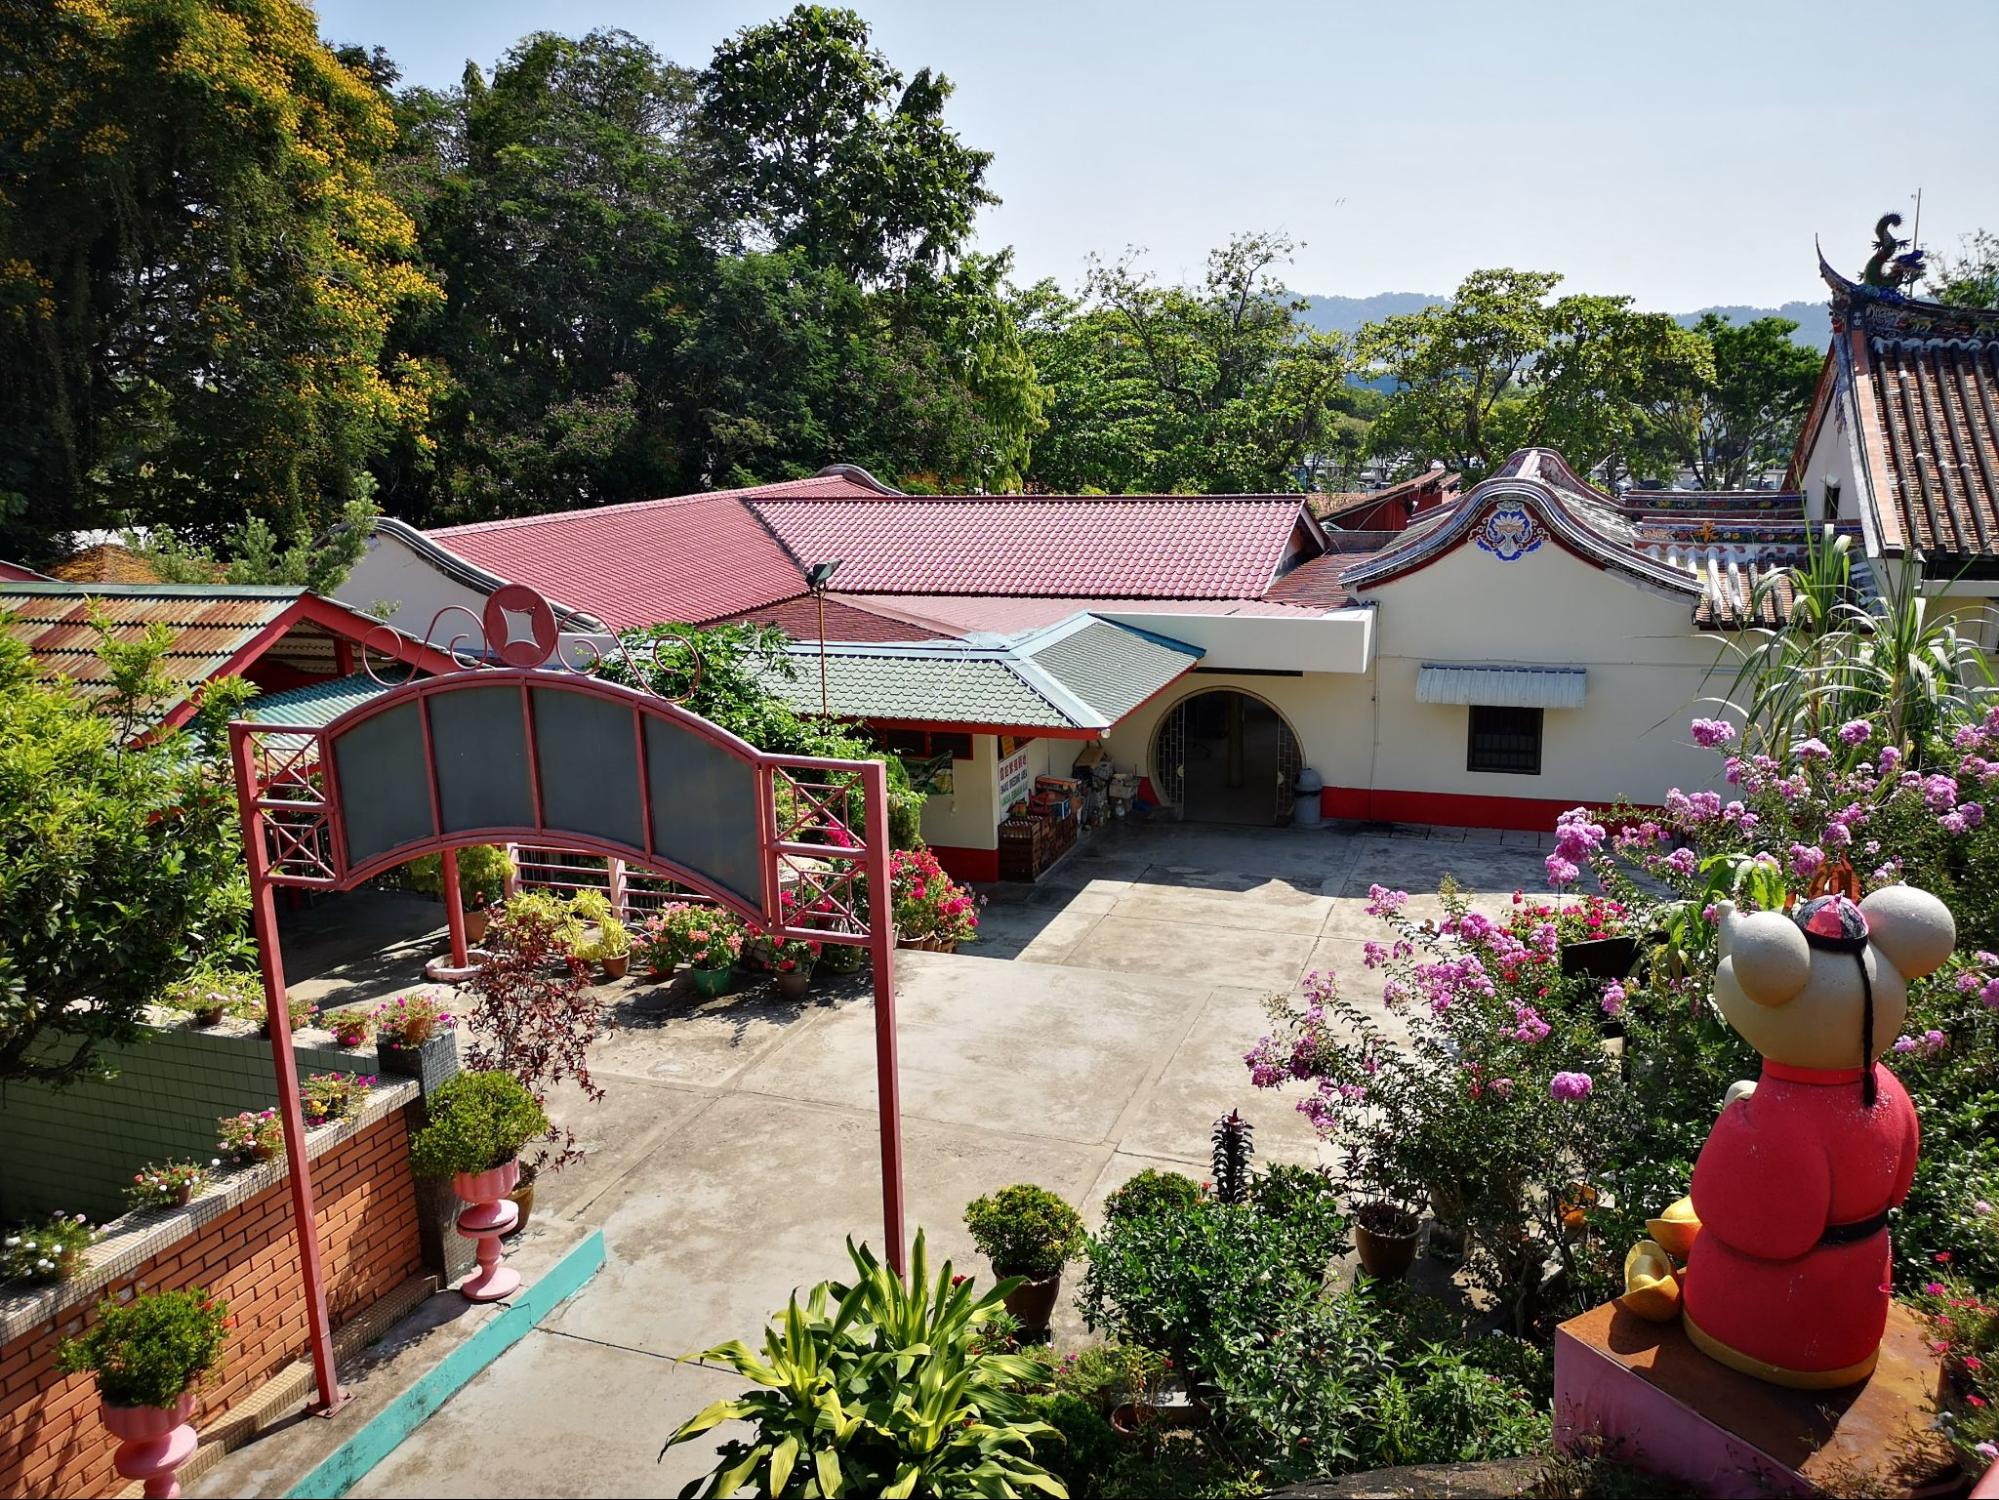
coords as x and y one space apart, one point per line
1500 1089
1855 732
1806 860
1709 733
1571 1086
1613 999
1382 902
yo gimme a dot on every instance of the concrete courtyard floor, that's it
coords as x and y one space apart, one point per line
1097 1028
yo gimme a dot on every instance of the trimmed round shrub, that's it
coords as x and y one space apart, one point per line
1152 1192
1025 1231
478 1121
151 1349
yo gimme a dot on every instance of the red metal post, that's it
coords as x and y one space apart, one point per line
881 945
264 913
454 907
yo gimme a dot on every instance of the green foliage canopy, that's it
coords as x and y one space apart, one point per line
121 865
200 269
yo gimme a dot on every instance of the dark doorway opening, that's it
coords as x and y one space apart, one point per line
1225 757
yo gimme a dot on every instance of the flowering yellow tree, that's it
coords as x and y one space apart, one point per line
199 270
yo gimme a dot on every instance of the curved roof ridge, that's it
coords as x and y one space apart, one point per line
1567 518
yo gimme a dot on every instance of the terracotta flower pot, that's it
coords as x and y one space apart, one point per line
1385 1237
1033 1302
617 968
184 1195
491 1215
477 920
522 1198
930 944
212 1016
153 1441
794 983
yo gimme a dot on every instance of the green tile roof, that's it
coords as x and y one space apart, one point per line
1084 673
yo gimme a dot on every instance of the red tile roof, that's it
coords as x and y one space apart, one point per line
1190 547
1315 583
1921 381
799 619
693 559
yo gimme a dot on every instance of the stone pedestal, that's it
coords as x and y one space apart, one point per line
1644 1393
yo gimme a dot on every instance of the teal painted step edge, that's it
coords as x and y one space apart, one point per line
380 1436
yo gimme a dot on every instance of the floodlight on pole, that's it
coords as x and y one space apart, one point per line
816 578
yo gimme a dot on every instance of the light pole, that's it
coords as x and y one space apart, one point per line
816 579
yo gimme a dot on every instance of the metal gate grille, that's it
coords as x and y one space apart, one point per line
1169 756
1289 761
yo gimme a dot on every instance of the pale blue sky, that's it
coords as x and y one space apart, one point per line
1681 152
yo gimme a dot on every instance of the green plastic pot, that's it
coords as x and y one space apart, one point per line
710 983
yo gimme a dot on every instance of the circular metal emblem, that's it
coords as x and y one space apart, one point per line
520 627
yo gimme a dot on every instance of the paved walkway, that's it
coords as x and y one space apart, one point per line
1098 1028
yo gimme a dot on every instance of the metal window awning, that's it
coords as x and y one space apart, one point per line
1501 687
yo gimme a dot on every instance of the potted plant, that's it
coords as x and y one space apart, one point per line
654 947
50 1250
713 948
932 911
252 1135
351 1027
1029 1233
149 1356
326 1097
612 948
413 1036
483 873
793 961
171 1184
207 995
1384 1236
1121 1381
299 1013
477 1124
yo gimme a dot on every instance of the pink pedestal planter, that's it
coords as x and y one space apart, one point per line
153 1441
489 1217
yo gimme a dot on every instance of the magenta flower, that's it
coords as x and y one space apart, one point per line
1806 860
1855 732
1570 1086
1709 733
1613 999
1384 903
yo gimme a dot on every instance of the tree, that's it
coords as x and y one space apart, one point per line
1972 279
599 349
811 141
200 269
121 865
1501 367
1166 388
256 557
1743 421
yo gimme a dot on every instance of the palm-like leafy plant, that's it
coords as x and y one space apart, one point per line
1837 656
885 1387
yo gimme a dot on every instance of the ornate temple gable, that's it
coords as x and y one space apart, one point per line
1916 383
1533 501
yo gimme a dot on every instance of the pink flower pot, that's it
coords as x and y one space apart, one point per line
153 1442
490 1216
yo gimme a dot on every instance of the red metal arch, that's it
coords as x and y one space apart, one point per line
295 833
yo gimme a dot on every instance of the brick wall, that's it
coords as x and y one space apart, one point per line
51 1441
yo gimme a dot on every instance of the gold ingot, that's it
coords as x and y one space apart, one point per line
1651 1287
1676 1229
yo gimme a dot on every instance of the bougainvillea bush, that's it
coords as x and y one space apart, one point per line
928 902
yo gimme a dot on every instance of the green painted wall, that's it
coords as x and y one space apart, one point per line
76 1148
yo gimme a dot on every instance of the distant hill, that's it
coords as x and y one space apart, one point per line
1347 314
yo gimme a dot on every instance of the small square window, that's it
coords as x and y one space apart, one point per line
1505 739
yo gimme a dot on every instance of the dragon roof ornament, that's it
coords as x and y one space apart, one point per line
1876 305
